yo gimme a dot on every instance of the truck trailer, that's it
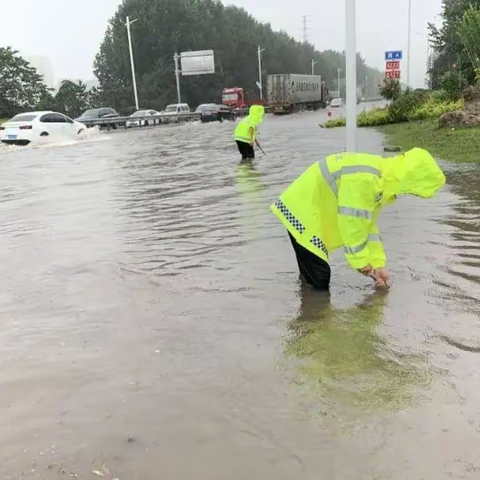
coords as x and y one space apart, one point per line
289 93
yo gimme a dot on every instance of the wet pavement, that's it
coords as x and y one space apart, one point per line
154 325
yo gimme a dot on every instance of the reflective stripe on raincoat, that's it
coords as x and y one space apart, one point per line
242 132
336 202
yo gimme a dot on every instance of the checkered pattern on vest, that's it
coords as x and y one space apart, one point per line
319 244
291 219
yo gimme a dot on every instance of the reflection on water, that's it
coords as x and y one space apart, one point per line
344 357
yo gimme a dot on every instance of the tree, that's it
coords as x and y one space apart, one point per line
21 86
453 83
469 32
447 43
169 26
391 89
71 98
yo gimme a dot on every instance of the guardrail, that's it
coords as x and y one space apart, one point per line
116 122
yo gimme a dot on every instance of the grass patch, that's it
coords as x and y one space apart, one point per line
458 145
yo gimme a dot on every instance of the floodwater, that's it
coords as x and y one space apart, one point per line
154 325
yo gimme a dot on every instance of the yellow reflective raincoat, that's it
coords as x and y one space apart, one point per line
255 117
336 202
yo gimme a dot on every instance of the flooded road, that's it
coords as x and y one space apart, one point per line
154 325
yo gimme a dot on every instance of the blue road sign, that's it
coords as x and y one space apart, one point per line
394 55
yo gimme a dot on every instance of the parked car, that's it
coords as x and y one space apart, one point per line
336 103
31 126
99 114
135 122
211 112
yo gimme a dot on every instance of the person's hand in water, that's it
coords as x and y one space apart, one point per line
368 271
382 279
380 275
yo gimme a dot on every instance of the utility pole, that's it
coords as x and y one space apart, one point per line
366 86
351 73
260 84
313 66
338 81
409 40
176 58
131 60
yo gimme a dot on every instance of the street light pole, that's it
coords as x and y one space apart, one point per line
131 60
260 84
338 82
313 66
351 73
409 40
176 58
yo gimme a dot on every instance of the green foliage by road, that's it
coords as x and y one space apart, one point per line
391 89
72 99
21 86
410 106
168 26
456 44
458 145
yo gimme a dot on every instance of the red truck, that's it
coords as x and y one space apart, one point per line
235 98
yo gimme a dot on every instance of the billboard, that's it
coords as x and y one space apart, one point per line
198 63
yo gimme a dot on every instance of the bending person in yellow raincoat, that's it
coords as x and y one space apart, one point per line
247 131
336 203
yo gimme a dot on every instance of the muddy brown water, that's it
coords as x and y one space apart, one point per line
153 325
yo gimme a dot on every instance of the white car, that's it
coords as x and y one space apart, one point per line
133 122
336 103
175 109
31 126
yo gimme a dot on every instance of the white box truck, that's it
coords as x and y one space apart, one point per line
289 93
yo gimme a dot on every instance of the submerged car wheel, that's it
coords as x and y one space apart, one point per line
44 134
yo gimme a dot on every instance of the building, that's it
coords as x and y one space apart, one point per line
44 67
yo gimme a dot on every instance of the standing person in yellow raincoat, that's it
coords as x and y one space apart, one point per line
247 131
336 202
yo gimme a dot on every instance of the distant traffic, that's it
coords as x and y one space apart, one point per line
286 94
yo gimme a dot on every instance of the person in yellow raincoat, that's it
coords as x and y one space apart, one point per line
336 202
247 131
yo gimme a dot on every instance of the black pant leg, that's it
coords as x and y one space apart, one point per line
315 270
250 151
246 150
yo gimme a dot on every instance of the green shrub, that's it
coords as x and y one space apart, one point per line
453 83
336 122
391 89
400 109
411 106
374 118
433 109
439 96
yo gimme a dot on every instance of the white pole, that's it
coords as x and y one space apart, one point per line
132 62
260 85
338 83
409 40
351 74
176 57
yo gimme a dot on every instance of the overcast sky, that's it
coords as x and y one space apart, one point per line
69 32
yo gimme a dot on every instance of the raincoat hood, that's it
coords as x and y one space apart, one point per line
414 173
256 113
